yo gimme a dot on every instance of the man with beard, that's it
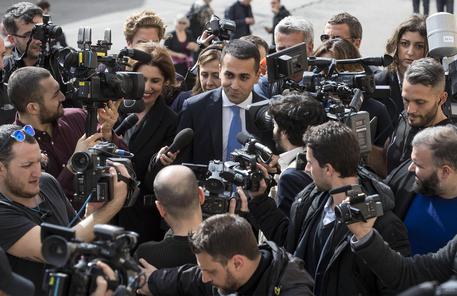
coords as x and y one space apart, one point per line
29 197
426 194
18 22
230 262
423 95
292 115
312 232
60 132
7 111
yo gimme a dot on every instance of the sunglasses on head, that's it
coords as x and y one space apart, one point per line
20 135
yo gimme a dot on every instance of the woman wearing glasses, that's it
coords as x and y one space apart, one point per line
180 45
408 43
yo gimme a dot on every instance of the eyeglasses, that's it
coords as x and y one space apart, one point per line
20 135
26 35
182 23
325 37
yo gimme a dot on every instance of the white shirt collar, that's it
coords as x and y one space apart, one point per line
286 158
244 105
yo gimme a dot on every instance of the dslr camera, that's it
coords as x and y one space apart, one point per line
221 28
75 262
92 173
360 206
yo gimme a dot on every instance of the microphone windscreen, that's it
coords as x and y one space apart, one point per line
182 139
243 137
131 106
137 55
126 124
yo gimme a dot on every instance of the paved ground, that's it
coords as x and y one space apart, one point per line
378 17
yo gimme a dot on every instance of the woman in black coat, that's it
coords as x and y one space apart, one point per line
156 128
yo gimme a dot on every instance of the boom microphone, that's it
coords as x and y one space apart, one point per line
135 54
126 124
384 61
182 139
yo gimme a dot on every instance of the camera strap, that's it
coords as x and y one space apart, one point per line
341 189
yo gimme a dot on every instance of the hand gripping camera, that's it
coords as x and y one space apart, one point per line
360 206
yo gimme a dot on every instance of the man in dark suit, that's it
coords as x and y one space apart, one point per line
241 13
218 115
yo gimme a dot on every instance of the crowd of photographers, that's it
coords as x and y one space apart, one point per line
257 170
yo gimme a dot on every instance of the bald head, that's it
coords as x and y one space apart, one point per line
176 188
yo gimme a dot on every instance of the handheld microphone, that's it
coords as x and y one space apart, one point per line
182 139
135 54
126 124
245 138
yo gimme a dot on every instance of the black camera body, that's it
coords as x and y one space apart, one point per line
76 270
360 206
220 28
92 173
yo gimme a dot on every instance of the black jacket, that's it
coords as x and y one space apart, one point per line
238 12
282 13
401 181
394 104
398 272
399 148
284 275
344 274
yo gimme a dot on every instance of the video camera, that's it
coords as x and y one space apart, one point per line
92 173
219 178
220 28
360 206
442 43
76 271
341 93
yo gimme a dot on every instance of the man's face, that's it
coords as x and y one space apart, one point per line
2 53
410 47
422 165
275 5
340 31
317 173
51 107
238 77
421 103
22 175
144 35
20 39
284 41
216 274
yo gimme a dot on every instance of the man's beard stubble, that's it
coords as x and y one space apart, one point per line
427 186
17 190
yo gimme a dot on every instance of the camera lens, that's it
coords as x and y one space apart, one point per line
55 250
81 161
343 212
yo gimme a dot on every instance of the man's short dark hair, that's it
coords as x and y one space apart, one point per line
441 141
7 142
294 113
243 50
259 42
179 196
334 143
355 28
223 236
24 86
426 71
22 11
44 4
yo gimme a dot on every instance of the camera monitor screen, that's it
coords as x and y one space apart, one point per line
285 63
